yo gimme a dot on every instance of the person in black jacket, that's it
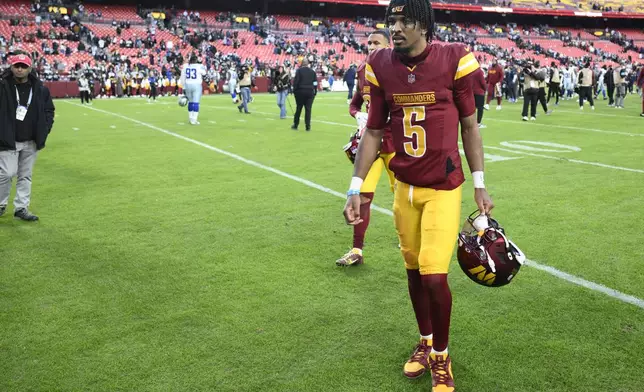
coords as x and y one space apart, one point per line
304 87
26 118
281 86
609 79
350 79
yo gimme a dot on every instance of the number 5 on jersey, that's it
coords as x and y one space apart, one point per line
417 114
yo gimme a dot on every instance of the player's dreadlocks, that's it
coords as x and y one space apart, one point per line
420 11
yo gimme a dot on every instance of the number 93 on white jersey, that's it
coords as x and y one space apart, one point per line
193 74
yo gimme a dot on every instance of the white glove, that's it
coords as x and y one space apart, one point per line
481 222
361 118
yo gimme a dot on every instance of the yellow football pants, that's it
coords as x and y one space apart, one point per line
427 221
373 177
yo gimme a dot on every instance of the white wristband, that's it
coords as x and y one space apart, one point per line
477 177
356 183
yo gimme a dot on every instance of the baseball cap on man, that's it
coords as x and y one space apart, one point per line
20 59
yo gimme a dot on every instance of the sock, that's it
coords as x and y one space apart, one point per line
365 214
498 100
420 303
195 110
440 299
439 352
429 337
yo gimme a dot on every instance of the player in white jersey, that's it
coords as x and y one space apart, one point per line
575 76
567 83
601 85
191 79
232 83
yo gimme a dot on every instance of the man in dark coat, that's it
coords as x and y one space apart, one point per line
26 118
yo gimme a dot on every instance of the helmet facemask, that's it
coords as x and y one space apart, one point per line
485 254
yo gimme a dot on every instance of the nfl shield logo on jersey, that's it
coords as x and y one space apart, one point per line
411 78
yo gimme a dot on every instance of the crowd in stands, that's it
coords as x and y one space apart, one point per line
127 43
631 6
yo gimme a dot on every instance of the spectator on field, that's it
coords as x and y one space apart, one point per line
26 118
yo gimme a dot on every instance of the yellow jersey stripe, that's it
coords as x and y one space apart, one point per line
466 66
370 76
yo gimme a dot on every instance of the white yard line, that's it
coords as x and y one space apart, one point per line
551 270
567 159
276 115
598 164
565 127
586 111
486 118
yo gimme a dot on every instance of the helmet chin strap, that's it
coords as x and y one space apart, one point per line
510 247
490 261
520 256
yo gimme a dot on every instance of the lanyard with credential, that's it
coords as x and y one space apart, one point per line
31 93
21 111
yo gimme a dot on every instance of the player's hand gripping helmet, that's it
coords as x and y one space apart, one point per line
485 254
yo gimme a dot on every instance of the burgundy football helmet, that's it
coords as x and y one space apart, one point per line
485 254
351 148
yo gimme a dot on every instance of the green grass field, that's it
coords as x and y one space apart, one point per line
164 263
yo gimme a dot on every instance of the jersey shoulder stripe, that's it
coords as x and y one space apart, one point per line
370 75
466 65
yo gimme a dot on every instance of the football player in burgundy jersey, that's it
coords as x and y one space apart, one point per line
377 40
494 79
426 90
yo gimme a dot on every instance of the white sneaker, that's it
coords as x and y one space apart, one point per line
581 108
592 107
533 119
486 107
348 101
498 107
481 126
525 118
